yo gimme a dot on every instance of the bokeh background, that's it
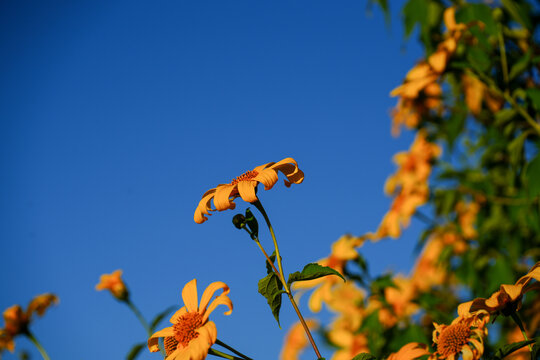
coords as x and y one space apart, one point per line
115 118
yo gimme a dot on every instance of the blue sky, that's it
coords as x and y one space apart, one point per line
116 116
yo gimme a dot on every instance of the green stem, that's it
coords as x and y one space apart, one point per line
222 354
139 316
519 323
504 63
221 343
33 339
281 275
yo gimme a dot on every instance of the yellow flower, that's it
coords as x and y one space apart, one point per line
245 186
409 351
508 298
16 320
114 283
296 340
465 335
467 217
344 334
192 335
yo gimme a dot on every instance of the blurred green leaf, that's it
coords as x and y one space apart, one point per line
520 65
518 12
510 348
482 12
364 356
515 148
534 96
533 176
414 12
478 59
504 115
157 319
135 350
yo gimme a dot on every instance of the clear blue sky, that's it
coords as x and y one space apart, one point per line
115 118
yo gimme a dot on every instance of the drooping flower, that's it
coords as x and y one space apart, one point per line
114 283
17 320
508 298
296 340
191 335
410 351
465 335
244 186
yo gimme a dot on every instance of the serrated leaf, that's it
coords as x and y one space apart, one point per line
271 288
510 348
312 271
157 319
520 65
532 176
364 356
135 350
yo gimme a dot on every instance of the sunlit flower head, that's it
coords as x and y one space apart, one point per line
191 335
296 340
114 283
465 335
508 298
410 351
245 186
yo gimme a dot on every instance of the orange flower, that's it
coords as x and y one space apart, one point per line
410 351
464 335
343 250
296 340
192 335
508 298
245 187
467 217
345 335
114 283
16 320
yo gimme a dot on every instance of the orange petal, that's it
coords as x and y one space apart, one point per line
209 293
247 190
438 60
153 341
220 300
222 198
177 314
514 291
204 207
467 352
267 177
189 295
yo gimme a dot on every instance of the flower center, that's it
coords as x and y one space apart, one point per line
170 344
245 177
185 328
452 339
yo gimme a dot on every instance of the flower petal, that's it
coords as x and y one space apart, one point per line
189 295
204 207
220 300
153 341
177 314
247 190
209 293
222 199
267 177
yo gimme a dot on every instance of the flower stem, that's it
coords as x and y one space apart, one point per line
139 316
519 323
222 354
33 339
221 343
281 275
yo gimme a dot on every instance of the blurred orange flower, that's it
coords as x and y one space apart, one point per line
245 185
343 250
345 335
192 335
508 298
410 351
467 217
465 335
16 320
114 283
296 340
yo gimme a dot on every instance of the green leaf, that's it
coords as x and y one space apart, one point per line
252 223
520 65
515 148
271 288
157 319
532 175
510 348
518 12
269 268
482 12
312 271
415 11
135 350
504 115
478 59
534 96
364 356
